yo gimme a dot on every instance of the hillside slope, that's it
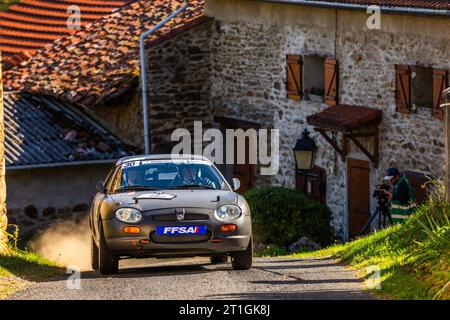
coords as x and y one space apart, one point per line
414 258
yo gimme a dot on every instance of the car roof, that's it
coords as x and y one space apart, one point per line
162 157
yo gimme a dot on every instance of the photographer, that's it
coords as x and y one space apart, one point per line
401 197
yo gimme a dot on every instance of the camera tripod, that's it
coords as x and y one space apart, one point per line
384 215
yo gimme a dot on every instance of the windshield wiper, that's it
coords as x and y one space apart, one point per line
136 188
196 186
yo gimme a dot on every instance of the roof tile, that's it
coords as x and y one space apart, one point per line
42 131
103 58
31 24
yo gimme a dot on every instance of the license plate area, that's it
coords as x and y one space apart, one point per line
180 230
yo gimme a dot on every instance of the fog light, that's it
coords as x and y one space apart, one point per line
132 230
144 241
228 227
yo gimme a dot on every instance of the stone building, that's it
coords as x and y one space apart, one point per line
369 97
272 58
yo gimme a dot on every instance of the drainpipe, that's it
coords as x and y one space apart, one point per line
147 141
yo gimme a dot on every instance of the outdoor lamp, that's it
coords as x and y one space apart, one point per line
304 152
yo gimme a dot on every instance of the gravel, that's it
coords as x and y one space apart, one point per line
192 279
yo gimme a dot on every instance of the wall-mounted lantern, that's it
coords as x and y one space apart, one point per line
304 153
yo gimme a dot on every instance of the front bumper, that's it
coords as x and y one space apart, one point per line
142 245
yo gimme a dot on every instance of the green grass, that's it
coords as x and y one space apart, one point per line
22 266
414 258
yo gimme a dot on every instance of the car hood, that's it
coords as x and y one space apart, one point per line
151 200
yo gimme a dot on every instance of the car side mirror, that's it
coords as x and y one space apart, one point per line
101 187
236 184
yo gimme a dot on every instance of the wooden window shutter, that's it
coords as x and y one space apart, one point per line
403 88
331 81
294 76
439 85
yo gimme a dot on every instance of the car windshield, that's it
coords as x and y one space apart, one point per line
167 175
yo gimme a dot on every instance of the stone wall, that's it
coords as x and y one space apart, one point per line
38 197
179 90
250 44
3 218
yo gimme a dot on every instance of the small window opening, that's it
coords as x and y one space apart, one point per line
421 88
314 82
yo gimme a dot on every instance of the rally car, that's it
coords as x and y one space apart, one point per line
166 207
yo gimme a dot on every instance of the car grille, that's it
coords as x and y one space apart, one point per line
187 217
180 238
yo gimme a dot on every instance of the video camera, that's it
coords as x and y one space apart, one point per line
380 194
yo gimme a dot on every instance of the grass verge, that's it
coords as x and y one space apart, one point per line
21 267
414 258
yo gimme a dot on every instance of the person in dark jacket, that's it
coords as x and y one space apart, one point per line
402 197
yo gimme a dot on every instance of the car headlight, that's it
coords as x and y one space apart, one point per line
129 215
228 212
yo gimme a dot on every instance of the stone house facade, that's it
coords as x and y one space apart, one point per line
250 48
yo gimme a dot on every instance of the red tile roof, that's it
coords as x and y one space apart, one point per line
101 61
30 24
344 118
424 4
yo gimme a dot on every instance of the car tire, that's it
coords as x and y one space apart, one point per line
108 262
94 255
218 259
242 260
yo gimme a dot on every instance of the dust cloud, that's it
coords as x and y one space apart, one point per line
66 242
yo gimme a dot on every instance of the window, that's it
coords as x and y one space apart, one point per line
420 87
312 78
165 174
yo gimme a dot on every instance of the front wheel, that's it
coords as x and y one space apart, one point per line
108 262
242 260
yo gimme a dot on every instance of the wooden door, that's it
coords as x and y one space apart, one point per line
246 173
419 185
358 181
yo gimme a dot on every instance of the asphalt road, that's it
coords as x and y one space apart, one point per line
193 279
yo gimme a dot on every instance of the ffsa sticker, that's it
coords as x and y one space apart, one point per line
185 230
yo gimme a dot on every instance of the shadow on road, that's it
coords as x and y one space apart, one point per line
296 295
157 271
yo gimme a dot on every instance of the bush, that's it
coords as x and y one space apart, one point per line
281 216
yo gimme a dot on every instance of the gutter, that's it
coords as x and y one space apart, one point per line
354 6
60 164
144 88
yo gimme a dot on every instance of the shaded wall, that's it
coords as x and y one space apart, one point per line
36 197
